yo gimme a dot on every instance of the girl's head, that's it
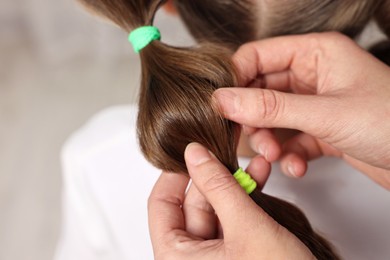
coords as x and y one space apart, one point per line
175 103
238 21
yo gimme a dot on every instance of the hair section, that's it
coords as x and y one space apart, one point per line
175 104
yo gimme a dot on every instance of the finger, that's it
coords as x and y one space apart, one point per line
281 81
263 108
278 81
264 142
299 150
274 55
164 206
293 165
200 218
287 81
243 148
231 203
259 169
248 130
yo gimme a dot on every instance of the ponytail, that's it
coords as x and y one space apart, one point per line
176 108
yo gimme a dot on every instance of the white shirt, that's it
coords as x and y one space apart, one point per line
107 182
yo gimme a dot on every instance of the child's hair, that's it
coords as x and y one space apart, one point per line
175 105
235 22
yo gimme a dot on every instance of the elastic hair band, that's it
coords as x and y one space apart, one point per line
245 180
142 36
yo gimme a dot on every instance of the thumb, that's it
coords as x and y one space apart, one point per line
244 224
231 203
272 109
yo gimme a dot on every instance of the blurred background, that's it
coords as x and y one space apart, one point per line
58 67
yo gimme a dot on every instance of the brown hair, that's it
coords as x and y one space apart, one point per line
382 16
175 105
235 22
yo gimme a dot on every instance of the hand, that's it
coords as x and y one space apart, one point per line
324 85
185 226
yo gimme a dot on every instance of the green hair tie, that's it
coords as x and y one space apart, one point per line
245 180
142 36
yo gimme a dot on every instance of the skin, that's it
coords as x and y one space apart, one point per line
315 70
305 81
308 80
243 225
271 143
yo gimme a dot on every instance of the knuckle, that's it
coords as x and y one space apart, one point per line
334 40
248 45
337 36
157 199
270 105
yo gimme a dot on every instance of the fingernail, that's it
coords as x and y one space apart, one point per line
228 101
291 170
196 154
263 151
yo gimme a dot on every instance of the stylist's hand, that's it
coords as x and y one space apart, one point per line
245 232
324 85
